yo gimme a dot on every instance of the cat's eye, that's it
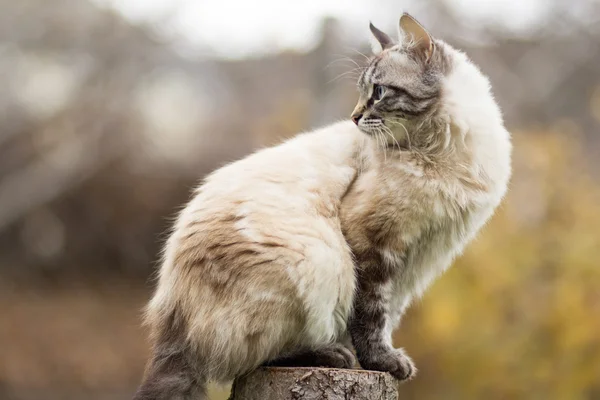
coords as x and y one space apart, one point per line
378 92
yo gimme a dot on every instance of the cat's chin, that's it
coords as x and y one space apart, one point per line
369 131
397 144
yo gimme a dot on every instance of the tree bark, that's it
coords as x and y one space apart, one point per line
314 384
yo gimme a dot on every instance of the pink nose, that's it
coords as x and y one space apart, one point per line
356 118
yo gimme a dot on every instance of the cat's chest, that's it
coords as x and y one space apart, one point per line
420 260
423 232
415 222
429 250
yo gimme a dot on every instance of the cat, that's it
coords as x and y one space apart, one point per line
297 252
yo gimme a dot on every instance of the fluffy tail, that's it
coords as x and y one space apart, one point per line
174 371
171 378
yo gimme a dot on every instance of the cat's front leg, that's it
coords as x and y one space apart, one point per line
370 326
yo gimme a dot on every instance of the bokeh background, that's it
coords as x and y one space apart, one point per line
111 111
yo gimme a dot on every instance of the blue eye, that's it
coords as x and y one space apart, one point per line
378 92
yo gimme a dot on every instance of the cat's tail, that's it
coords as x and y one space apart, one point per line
175 371
171 377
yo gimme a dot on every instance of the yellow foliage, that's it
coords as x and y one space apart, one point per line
518 316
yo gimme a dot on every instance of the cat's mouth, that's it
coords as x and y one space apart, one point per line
371 125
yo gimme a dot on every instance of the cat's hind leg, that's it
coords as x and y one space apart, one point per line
335 355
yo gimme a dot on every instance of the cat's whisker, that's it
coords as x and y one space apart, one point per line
377 138
345 59
358 70
374 133
367 58
390 134
397 122
347 74
380 135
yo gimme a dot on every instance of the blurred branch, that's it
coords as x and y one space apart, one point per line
59 170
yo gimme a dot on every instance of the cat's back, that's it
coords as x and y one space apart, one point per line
263 233
305 175
274 197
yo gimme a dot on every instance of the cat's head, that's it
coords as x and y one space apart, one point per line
401 88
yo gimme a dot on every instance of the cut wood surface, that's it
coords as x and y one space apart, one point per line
313 384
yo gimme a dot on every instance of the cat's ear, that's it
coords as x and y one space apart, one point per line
380 40
413 32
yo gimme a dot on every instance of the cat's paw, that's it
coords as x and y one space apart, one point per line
335 356
332 356
394 361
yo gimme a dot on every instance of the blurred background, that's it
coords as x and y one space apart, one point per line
112 110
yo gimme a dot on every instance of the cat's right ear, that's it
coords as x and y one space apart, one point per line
420 40
380 40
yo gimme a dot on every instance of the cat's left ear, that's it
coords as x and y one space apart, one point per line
380 40
421 41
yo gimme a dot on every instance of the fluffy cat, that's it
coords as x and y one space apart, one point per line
283 256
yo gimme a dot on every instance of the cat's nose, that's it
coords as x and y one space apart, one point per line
356 117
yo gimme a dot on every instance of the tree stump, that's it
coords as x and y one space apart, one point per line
275 383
